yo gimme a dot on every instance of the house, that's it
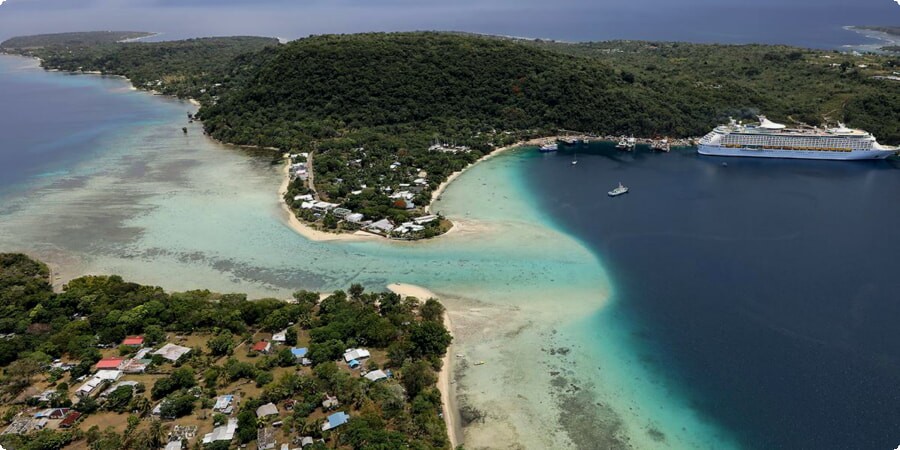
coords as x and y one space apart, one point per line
357 354
383 226
335 420
269 409
305 198
279 337
265 438
425 219
224 404
52 413
135 365
305 441
133 341
330 403
353 364
172 352
299 353
222 432
109 363
375 375
100 378
341 213
70 419
354 218
174 445
262 347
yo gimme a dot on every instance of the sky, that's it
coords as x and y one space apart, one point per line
814 23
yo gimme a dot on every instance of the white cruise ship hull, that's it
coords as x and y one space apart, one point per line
715 150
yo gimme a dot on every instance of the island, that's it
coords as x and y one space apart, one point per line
108 364
370 127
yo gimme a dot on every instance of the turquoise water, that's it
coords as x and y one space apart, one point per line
142 200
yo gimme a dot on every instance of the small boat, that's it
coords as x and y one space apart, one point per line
548 148
479 363
575 159
619 190
661 145
626 144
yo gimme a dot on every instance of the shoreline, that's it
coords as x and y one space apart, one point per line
448 395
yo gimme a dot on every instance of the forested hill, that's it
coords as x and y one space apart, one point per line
72 39
454 86
425 84
194 68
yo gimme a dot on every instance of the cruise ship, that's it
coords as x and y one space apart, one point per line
774 140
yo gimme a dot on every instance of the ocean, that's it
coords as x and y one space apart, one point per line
747 306
807 23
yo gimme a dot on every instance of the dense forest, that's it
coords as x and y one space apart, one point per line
77 39
42 329
370 106
193 68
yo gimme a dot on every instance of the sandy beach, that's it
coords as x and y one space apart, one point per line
307 231
448 395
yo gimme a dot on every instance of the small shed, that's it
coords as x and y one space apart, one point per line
133 341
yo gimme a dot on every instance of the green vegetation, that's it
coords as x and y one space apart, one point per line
891 48
77 39
407 339
368 107
194 68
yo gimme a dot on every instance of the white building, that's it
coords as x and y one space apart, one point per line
357 354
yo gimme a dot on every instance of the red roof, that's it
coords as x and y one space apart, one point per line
70 419
260 346
133 340
110 363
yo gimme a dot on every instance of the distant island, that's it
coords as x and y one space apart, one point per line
108 364
373 125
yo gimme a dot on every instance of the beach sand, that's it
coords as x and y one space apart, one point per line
448 394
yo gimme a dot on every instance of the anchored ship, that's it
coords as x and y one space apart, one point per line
774 140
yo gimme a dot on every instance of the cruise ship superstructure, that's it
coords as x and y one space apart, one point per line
773 140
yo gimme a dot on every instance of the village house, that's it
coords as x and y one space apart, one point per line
335 420
262 347
172 352
280 337
133 341
101 378
222 432
109 363
356 354
224 404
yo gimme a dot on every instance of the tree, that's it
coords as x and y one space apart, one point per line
119 399
176 406
154 334
416 377
246 426
290 337
356 291
221 344
429 339
432 310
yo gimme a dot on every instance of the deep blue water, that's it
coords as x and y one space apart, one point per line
766 289
53 123
809 23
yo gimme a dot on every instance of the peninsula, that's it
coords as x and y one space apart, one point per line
369 149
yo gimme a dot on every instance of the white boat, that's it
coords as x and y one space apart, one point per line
661 145
619 190
626 144
774 140
548 148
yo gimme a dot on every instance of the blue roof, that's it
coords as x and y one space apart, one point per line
337 419
299 352
353 363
